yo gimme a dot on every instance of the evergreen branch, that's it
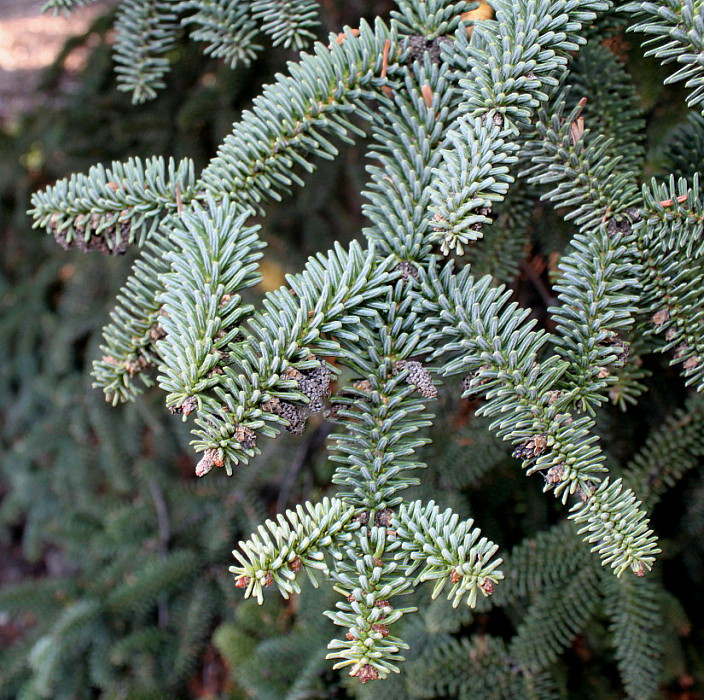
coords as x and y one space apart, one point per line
153 577
557 616
473 177
226 26
130 339
613 106
673 292
541 563
46 654
263 386
369 577
501 253
214 258
618 530
675 216
381 417
469 668
515 58
288 22
598 279
109 208
319 95
492 339
588 181
676 34
406 147
431 19
145 30
637 633
668 453
65 7
448 549
501 94
280 549
684 150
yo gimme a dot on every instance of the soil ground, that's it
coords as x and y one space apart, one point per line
29 41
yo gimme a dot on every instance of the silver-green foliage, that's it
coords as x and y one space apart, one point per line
452 121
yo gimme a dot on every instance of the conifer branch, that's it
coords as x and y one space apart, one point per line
291 116
215 258
634 607
145 31
226 26
485 335
288 22
109 208
557 616
130 338
297 540
676 34
449 551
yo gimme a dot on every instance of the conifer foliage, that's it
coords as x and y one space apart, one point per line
472 118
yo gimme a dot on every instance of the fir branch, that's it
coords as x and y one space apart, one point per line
540 563
145 30
290 116
109 208
330 299
668 453
684 149
369 578
613 107
227 26
130 339
431 19
288 22
214 258
637 633
381 417
406 146
557 615
449 551
491 338
676 34
298 540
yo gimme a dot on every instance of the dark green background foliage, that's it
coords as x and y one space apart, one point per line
115 580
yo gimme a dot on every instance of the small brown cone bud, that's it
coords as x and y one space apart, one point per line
455 576
381 629
487 586
296 565
365 673
638 569
242 581
268 579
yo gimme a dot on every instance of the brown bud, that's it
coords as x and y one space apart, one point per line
295 565
691 363
349 636
487 586
365 673
638 569
242 581
381 629
554 474
455 576
268 579
659 317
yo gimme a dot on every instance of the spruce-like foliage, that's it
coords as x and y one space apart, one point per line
369 333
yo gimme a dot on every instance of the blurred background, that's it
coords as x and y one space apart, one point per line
113 576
